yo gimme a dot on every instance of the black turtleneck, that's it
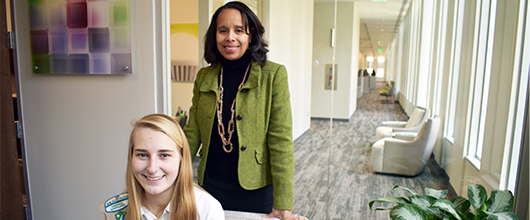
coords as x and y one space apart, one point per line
221 165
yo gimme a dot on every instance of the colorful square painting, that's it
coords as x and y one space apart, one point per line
80 36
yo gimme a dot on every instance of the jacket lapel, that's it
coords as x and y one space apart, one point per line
254 76
211 80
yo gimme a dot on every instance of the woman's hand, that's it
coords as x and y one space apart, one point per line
284 215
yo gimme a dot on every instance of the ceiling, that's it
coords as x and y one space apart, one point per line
380 20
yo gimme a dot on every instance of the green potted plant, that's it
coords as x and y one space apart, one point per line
433 205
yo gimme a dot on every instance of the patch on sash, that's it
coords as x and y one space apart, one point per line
120 215
117 203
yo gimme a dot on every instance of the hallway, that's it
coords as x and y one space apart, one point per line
333 177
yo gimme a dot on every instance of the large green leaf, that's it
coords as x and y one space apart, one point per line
447 217
407 212
461 214
439 194
461 203
422 200
481 215
447 206
471 216
406 189
459 200
477 195
433 212
501 215
398 200
500 201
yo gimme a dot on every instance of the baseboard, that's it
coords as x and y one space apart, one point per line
306 132
334 119
451 192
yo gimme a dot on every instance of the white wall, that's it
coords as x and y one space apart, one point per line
76 127
346 52
184 47
290 27
354 61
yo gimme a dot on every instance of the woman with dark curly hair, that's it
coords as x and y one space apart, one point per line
241 115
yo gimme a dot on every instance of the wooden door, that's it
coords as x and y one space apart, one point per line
11 205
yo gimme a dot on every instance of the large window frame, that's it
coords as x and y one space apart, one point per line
480 79
454 75
442 7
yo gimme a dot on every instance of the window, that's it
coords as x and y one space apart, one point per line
380 70
480 78
439 60
455 68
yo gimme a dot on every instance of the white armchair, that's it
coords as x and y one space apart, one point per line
414 123
406 157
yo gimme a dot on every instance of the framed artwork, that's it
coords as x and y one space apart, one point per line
80 36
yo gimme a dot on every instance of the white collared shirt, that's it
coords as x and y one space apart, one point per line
148 215
208 208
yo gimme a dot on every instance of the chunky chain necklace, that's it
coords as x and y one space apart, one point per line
231 124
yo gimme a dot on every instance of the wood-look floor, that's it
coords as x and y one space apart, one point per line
333 174
333 177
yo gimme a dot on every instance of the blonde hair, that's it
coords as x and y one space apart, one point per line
183 199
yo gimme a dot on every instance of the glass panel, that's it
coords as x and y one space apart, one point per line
77 15
120 63
57 15
99 63
78 40
120 40
119 13
59 63
98 14
39 41
79 64
41 63
37 17
58 41
98 40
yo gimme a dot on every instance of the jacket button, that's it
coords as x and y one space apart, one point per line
244 147
239 117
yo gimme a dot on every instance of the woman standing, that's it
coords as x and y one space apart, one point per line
159 177
241 115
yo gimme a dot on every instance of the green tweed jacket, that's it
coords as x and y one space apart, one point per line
264 130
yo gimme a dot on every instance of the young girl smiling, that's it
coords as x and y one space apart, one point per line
159 177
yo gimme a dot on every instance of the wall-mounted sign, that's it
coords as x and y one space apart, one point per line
80 36
330 76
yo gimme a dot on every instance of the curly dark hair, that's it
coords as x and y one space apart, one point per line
257 47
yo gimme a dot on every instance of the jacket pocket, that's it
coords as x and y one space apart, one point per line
262 157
